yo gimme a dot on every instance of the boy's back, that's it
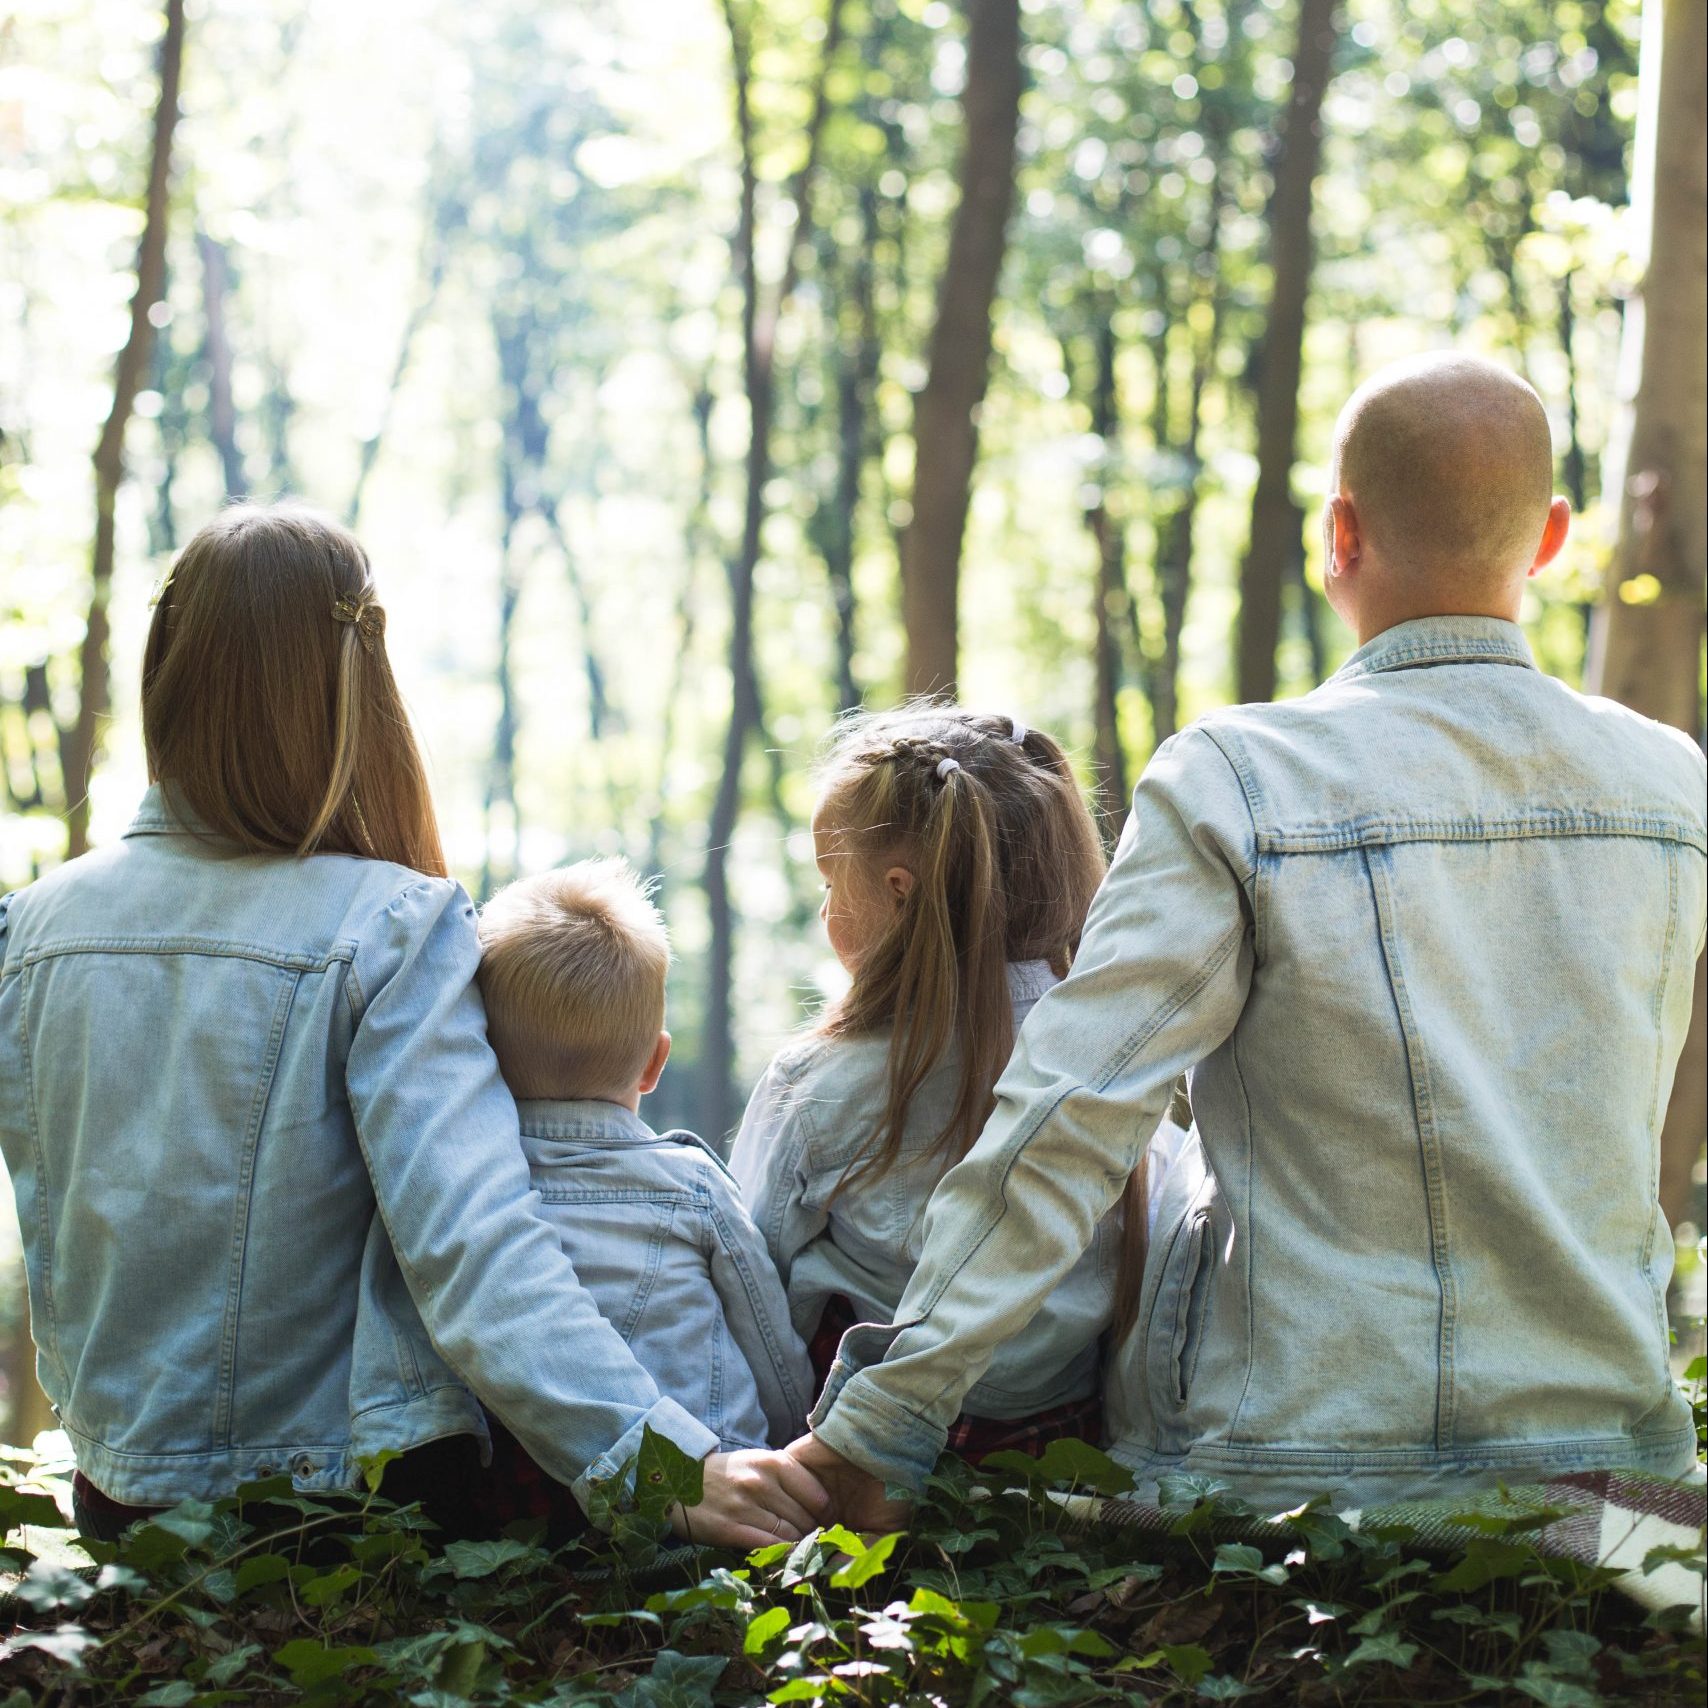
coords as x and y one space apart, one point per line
1476 904
660 1239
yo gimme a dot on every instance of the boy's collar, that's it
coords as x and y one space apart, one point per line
583 1118
1441 640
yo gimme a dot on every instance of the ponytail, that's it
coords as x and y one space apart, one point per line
1005 859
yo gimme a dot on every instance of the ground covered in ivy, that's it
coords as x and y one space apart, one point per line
997 1596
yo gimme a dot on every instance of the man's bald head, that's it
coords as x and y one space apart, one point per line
1448 463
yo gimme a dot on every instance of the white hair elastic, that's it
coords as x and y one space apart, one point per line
1020 731
945 766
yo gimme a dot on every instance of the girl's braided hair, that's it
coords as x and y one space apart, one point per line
988 816
1005 858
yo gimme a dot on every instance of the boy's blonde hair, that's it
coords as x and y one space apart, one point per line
572 967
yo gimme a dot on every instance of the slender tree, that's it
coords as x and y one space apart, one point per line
761 312
1277 522
80 744
1647 635
945 430
216 353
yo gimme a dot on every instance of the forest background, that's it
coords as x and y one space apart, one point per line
612 328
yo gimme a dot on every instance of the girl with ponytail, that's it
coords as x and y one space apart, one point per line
958 859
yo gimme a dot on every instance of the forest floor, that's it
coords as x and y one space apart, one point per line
998 1595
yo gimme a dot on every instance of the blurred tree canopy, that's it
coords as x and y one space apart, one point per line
609 327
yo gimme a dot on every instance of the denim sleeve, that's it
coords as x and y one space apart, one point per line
757 1311
769 1163
438 1131
1158 984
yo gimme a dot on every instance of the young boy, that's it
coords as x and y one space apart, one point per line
1425 938
572 969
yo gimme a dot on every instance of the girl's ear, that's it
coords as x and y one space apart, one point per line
898 880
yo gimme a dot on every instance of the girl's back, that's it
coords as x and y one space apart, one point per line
811 1119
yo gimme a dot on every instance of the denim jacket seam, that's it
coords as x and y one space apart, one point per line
649 1276
243 1208
1657 1004
795 1112
1250 1241
1549 824
210 948
1429 1146
1491 651
738 1258
43 1224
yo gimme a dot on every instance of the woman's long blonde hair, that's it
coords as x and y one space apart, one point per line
1005 857
269 709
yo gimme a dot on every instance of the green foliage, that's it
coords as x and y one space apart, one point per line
1003 1593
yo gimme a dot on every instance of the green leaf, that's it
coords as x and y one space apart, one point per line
808 1689
178 1694
18 1508
867 1564
1388 1648
1572 1651
328 1587
1485 1561
309 1662
65 1643
259 1569
1238 1558
1067 1463
230 1667
373 1467
45 1587
482 1559
665 1476
191 1520
1541 1685
764 1629
676 1681
459 1668
1187 1661
1221 1688
1689 1554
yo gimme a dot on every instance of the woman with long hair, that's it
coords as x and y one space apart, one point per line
275 1210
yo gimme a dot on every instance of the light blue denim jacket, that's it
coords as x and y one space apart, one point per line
1426 937
274 1204
809 1119
662 1241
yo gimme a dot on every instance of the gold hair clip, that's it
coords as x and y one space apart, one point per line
160 587
364 616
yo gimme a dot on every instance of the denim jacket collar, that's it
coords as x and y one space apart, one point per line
1440 640
587 1118
157 816
1028 980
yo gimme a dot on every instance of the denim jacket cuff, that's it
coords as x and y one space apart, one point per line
666 1418
853 1417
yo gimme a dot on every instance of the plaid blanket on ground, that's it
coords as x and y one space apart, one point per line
1614 1519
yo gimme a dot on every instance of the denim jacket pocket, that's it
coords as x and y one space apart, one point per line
1175 1324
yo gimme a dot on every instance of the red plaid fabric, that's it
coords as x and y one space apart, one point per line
972 1437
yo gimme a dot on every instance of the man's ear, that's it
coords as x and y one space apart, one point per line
1342 543
898 880
655 1064
1554 532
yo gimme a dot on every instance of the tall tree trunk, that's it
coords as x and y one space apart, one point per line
1647 637
945 419
1110 601
759 335
82 747
216 351
1277 523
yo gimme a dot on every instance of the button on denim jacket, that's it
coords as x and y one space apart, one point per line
662 1241
1426 938
275 1208
809 1118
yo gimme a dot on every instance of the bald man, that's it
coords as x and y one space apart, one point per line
1424 940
